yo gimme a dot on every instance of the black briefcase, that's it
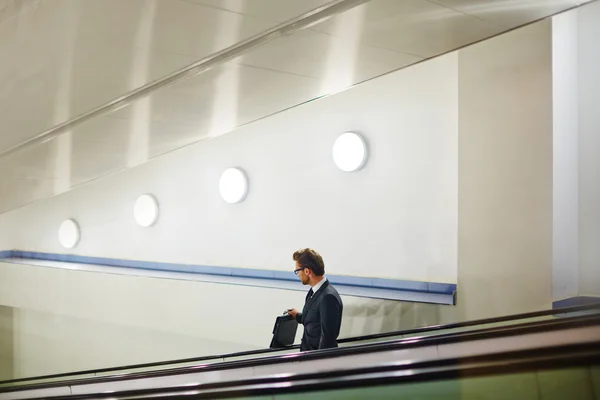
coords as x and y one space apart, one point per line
284 332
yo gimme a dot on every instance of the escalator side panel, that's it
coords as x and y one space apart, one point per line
567 383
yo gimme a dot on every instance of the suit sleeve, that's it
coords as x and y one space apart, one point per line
299 317
331 319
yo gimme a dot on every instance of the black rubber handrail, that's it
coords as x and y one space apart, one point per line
561 356
434 328
487 333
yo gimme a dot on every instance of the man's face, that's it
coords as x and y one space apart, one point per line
301 274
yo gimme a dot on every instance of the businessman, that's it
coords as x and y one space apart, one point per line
322 312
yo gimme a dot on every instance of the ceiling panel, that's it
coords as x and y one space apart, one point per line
53 74
10 8
321 55
509 13
62 58
270 10
416 27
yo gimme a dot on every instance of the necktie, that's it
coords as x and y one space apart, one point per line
309 295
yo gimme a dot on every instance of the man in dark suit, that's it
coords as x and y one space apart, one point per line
322 312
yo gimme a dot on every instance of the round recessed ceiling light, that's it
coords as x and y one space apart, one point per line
145 210
349 152
68 234
233 185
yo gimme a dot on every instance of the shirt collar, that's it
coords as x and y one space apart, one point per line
318 285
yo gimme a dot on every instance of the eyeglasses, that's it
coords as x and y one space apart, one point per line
299 269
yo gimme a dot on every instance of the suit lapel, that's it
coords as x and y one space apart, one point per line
310 302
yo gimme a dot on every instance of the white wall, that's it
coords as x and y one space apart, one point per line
7 336
498 93
565 149
396 218
589 149
576 88
505 174
7 237
62 320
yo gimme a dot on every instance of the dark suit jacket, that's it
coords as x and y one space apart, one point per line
322 318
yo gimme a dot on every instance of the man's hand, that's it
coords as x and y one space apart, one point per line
293 312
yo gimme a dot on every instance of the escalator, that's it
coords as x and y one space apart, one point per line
559 372
549 341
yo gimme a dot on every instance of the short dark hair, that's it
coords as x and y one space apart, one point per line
308 258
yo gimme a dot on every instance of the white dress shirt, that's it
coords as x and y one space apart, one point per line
318 285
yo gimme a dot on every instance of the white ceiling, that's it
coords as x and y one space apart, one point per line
62 58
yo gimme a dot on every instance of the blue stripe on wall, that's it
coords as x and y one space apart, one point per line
7 254
430 292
